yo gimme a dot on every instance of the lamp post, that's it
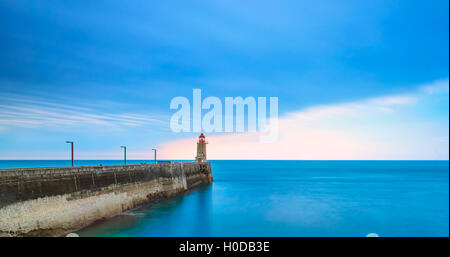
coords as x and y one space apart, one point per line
155 154
124 153
71 143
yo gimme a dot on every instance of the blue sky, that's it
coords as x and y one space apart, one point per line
103 74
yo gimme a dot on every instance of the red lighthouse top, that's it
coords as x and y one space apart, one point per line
202 136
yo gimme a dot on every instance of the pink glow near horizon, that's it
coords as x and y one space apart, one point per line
350 131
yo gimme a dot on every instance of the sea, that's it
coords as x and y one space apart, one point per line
291 198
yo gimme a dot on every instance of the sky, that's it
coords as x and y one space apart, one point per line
355 79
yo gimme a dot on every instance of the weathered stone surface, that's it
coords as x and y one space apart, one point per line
56 201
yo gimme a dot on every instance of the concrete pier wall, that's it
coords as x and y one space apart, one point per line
55 201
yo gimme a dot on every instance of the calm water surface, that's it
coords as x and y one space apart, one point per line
294 198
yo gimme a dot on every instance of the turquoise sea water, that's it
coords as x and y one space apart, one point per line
293 198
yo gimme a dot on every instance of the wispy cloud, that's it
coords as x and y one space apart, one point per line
440 86
19 111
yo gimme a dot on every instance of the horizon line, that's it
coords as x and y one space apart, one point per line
152 160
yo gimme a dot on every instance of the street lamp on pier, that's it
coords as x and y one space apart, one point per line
71 143
124 153
155 154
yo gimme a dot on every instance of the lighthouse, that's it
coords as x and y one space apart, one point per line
201 149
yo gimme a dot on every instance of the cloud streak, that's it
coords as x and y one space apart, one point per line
28 112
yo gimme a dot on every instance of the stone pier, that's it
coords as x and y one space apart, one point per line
58 200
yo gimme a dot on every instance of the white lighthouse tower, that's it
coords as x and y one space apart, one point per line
201 149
